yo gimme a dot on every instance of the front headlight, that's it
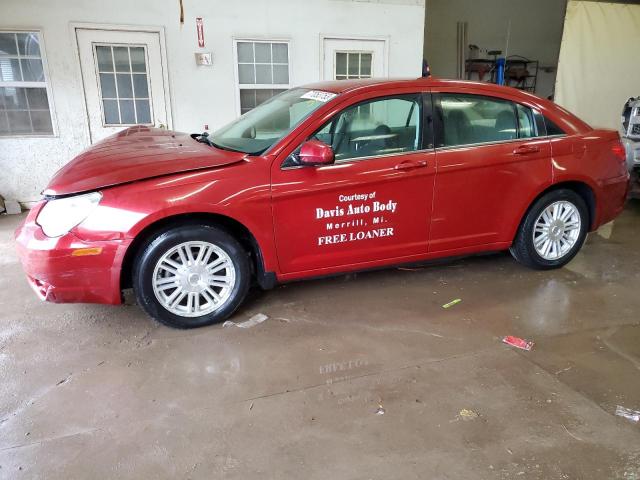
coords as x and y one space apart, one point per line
59 216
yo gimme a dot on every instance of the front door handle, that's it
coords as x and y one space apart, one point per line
526 149
407 165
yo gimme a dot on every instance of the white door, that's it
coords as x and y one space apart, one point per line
124 85
348 59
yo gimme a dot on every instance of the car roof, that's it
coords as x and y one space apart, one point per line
557 114
362 85
344 86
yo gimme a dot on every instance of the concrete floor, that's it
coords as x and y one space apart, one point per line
92 391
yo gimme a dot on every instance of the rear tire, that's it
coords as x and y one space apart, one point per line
191 276
553 231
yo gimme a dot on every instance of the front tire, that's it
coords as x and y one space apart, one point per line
191 276
553 231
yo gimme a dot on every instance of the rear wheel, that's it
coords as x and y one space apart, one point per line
191 276
553 230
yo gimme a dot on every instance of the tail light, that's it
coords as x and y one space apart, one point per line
618 150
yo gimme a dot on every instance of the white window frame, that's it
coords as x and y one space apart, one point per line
46 84
258 86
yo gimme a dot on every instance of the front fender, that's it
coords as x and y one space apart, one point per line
127 210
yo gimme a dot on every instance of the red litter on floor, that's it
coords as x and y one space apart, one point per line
518 342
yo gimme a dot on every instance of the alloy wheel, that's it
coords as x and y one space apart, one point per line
194 279
556 230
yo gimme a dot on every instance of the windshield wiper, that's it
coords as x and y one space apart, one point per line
204 138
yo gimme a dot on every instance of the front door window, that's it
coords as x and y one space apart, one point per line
374 128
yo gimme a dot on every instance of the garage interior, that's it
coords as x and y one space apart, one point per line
397 373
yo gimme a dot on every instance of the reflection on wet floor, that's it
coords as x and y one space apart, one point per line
103 391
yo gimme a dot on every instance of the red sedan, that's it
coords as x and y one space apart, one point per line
327 178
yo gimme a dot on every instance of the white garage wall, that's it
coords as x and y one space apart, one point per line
536 31
599 66
199 95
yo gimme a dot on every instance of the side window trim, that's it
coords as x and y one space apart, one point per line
419 99
518 125
533 112
541 127
428 124
438 123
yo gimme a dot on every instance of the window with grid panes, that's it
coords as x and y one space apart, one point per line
124 84
353 65
24 102
263 71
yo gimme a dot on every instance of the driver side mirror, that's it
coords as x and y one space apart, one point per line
315 153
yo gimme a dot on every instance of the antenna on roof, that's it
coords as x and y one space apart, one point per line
506 47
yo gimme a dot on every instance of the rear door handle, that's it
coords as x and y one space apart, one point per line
526 149
409 165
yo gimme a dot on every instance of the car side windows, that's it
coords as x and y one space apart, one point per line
377 127
468 119
384 126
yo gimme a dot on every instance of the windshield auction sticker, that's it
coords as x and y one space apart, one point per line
358 216
318 95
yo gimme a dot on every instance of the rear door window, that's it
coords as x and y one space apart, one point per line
470 119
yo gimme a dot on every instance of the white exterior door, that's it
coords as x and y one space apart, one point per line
350 59
123 77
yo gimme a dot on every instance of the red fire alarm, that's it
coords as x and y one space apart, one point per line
200 29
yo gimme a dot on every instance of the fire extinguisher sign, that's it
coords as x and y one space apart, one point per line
200 29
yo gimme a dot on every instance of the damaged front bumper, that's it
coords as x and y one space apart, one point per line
68 269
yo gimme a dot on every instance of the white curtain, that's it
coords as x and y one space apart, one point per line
599 65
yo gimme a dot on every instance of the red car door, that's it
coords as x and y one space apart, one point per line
372 205
491 159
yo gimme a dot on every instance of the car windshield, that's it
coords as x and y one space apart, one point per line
258 129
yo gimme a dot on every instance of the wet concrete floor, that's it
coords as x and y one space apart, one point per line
92 391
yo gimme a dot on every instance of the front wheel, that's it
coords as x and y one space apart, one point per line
191 276
553 230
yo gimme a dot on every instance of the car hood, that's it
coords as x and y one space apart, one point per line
134 154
